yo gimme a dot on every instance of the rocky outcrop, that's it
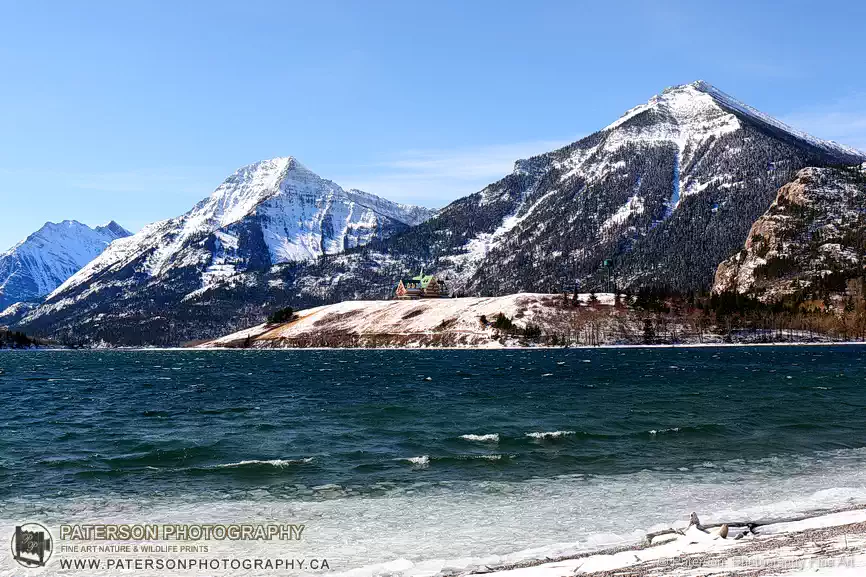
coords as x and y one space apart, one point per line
810 241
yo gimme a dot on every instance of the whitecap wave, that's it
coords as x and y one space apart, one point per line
550 434
660 431
487 438
279 463
421 461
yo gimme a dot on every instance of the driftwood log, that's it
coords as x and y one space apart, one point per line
748 526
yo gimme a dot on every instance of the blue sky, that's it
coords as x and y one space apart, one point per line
136 110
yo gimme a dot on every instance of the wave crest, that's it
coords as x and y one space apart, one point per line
487 438
660 431
279 463
421 461
550 434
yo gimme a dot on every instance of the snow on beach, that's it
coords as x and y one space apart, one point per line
829 544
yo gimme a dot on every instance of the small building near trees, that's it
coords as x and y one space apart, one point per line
421 287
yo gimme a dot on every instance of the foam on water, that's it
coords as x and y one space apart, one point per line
659 431
487 438
550 434
281 463
420 461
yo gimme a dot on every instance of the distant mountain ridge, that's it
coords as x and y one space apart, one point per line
663 194
44 260
266 213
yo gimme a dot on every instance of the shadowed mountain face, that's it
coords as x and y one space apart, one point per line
665 193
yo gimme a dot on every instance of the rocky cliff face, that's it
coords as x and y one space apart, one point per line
40 263
811 240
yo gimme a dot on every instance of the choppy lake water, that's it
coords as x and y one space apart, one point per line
415 461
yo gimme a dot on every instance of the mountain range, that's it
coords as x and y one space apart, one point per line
659 197
271 212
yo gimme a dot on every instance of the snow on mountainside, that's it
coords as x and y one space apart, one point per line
271 212
663 194
844 153
40 263
809 241
14 313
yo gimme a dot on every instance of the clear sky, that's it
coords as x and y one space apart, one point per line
136 110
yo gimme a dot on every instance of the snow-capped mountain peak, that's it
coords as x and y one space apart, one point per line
699 110
112 228
691 158
680 114
266 213
250 185
682 102
40 263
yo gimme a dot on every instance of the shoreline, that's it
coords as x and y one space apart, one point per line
810 543
462 348
825 542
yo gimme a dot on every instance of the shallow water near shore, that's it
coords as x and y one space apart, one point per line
432 459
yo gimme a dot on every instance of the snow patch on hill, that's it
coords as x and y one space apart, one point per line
411 323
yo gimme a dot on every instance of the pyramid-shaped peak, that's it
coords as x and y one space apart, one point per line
701 85
113 228
272 170
683 103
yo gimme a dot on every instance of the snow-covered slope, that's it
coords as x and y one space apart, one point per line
40 263
271 212
468 321
846 154
15 312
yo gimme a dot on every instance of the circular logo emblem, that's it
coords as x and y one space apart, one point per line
31 545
